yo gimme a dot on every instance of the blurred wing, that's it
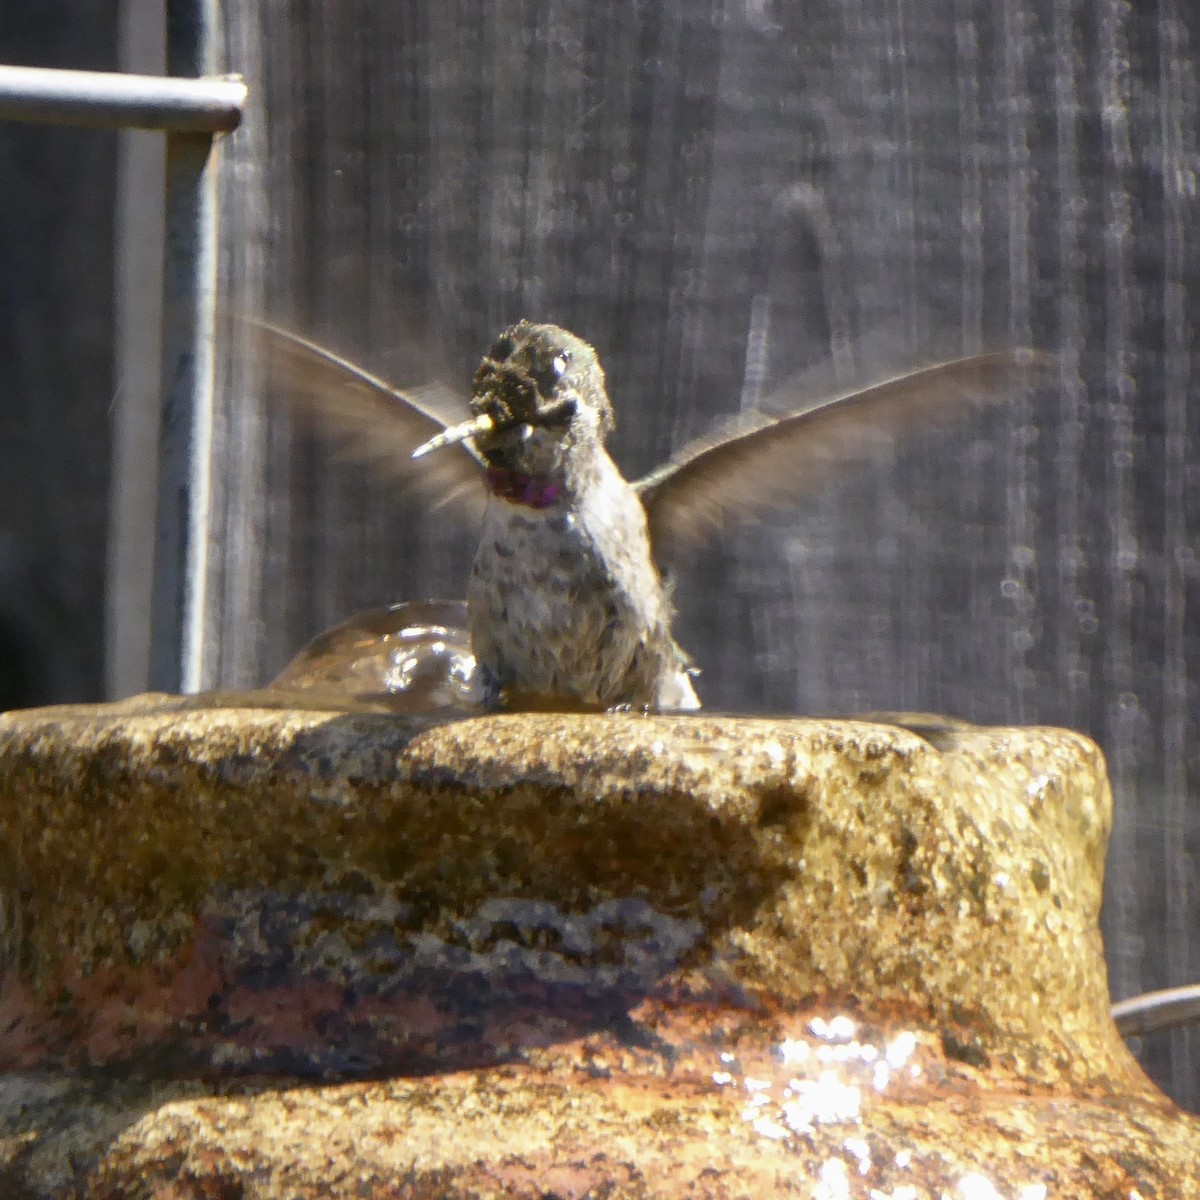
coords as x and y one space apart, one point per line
373 422
762 462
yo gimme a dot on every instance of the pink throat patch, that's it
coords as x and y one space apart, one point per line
534 491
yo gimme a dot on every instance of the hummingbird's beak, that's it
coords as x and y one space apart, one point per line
486 423
454 434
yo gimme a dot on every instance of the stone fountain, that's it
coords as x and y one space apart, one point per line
271 946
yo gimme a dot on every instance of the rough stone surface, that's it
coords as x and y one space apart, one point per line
263 952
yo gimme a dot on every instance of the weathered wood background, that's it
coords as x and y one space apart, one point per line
718 195
56 368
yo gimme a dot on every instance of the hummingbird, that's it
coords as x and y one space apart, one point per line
566 602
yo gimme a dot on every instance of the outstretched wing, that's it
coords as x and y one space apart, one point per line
375 423
762 462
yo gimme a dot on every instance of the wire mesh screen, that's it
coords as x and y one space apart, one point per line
721 197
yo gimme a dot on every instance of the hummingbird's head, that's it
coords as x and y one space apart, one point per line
543 390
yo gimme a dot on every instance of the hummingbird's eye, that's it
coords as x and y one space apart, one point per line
547 377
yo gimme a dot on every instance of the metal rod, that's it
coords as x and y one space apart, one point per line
180 625
184 483
1156 1011
211 105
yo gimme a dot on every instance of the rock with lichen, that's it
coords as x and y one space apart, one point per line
270 952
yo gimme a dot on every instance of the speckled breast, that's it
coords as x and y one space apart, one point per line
565 602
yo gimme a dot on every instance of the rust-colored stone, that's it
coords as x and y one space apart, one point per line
578 955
